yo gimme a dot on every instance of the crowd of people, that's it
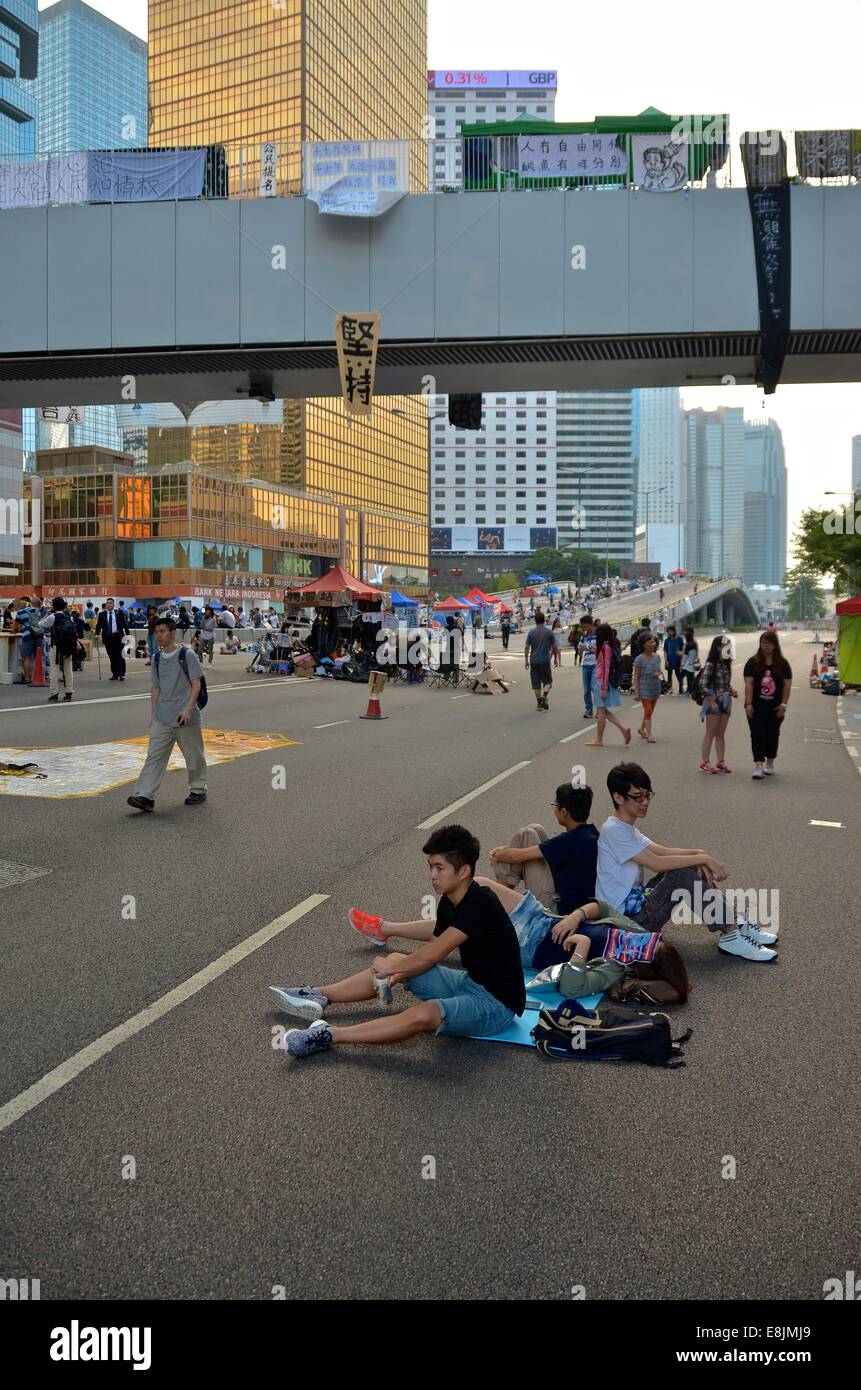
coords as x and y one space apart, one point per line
576 897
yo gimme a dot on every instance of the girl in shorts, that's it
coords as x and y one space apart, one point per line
718 695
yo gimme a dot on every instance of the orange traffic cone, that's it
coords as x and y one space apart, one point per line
814 670
39 669
375 685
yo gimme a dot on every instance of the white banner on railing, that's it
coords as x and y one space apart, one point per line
120 176
356 178
571 156
660 162
268 158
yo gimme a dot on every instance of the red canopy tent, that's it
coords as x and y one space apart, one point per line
332 585
448 604
678 571
850 605
478 597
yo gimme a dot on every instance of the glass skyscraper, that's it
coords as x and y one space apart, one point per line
19 56
91 93
241 72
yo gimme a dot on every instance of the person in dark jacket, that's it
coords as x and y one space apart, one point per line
113 627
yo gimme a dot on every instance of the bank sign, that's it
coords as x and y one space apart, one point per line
448 78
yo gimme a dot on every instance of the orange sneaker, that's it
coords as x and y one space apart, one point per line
367 927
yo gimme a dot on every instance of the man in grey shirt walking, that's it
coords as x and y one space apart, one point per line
541 648
175 718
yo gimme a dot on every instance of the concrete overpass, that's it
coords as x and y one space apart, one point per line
725 602
475 290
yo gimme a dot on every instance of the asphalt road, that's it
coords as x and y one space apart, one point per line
254 1171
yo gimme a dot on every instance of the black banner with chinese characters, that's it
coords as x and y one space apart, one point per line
769 200
357 336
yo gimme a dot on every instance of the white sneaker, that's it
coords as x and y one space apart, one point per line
758 773
735 943
769 769
755 934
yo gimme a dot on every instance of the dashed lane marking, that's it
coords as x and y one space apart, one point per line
470 796
67 1071
333 723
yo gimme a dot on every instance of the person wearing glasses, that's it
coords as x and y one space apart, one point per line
624 852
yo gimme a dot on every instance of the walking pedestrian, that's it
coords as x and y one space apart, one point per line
151 643
208 626
607 696
690 661
27 615
63 637
647 683
718 695
505 629
540 649
588 657
112 627
177 680
672 657
767 687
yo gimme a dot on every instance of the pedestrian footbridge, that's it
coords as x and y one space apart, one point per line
202 300
725 602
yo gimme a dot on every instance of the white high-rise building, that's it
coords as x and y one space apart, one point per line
457 98
715 491
596 473
764 505
660 448
504 474
501 475
856 463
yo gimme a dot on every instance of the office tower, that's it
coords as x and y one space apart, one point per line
596 488
661 483
12 523
92 95
764 505
241 73
715 491
856 463
503 475
457 98
19 58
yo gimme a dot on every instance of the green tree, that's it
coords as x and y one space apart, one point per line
564 564
502 583
829 542
804 597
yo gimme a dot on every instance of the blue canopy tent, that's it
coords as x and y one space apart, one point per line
536 578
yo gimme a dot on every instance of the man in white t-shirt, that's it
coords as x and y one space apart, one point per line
624 852
227 619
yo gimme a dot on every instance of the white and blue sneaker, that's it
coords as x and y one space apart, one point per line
735 943
303 1042
301 1001
755 933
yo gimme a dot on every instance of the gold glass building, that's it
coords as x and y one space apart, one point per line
195 533
242 72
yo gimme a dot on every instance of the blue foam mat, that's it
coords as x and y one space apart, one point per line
520 1031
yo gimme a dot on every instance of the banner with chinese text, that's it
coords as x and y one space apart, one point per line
356 178
356 336
571 156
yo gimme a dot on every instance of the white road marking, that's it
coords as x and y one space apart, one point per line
119 699
333 723
55 1080
470 796
852 750
587 730
833 824
461 697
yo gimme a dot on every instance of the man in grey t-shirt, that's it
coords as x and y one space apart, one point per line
174 718
540 648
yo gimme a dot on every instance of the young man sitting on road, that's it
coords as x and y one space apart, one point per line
624 852
479 1001
558 869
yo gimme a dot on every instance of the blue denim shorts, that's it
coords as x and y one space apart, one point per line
467 1008
29 645
531 922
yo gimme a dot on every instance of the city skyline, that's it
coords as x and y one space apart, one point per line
817 422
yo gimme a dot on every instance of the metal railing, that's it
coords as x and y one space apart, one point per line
491 163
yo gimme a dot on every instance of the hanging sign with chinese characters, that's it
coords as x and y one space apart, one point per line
356 178
357 336
571 156
268 158
62 414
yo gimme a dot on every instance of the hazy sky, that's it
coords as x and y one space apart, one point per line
790 65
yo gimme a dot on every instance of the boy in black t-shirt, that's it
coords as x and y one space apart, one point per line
480 1000
557 869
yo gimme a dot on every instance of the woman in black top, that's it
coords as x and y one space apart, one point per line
767 686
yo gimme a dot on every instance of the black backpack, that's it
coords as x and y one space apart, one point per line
617 669
64 634
609 1033
202 694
